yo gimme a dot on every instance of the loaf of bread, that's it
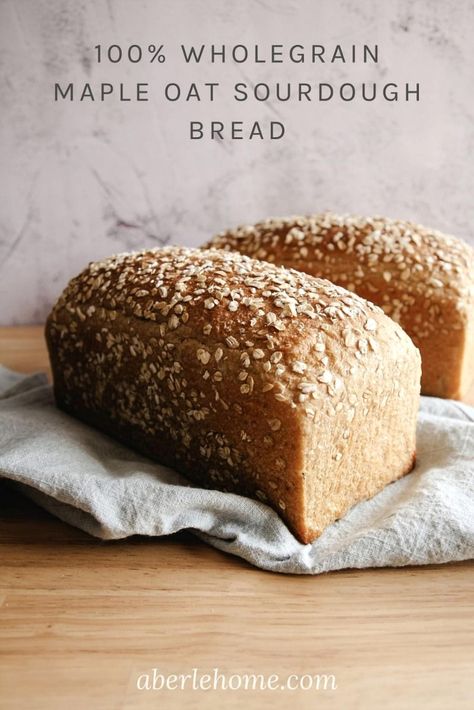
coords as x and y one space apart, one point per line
421 278
243 376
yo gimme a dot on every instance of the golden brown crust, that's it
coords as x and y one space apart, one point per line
421 278
225 367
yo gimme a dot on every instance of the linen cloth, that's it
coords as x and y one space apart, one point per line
89 480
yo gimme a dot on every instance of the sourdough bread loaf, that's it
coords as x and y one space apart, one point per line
421 278
241 375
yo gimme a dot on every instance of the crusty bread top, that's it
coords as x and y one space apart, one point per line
236 309
408 258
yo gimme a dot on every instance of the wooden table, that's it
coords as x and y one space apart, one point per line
81 620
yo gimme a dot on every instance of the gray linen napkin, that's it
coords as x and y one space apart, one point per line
90 481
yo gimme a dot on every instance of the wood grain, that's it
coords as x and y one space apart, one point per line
80 619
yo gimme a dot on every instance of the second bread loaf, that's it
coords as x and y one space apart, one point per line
421 278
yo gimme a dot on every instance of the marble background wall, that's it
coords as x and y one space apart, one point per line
80 181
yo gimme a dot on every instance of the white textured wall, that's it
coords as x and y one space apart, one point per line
80 181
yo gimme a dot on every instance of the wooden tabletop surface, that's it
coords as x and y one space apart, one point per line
81 621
